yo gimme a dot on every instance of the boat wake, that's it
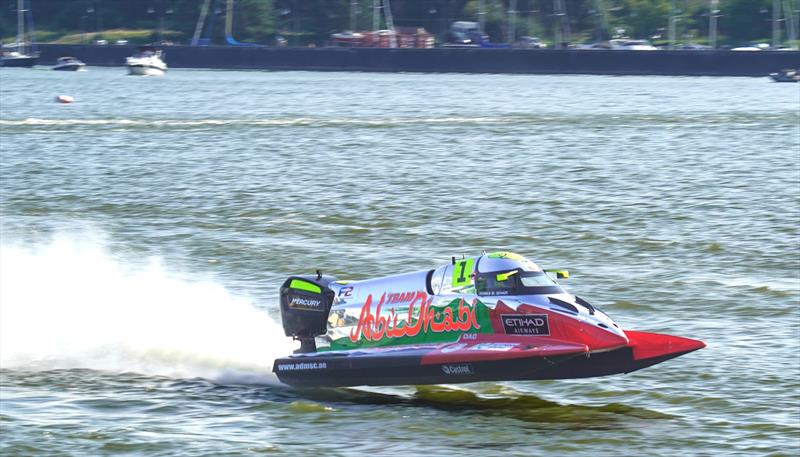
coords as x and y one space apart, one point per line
70 303
510 119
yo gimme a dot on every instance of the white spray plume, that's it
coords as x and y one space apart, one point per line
70 304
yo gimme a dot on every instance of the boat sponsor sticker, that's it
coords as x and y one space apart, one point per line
458 369
306 303
399 297
453 347
302 366
374 326
346 292
526 324
502 347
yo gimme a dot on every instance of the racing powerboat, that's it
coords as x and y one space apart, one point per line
493 317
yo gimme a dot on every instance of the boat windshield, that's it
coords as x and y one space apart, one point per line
536 279
516 282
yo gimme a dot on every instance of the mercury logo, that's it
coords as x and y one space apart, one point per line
300 302
461 369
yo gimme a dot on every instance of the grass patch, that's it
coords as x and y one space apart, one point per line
133 36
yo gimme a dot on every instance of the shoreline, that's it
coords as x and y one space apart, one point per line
446 60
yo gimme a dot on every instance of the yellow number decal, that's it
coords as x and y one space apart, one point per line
462 272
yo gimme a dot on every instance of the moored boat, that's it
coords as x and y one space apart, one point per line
68 64
786 75
10 58
21 53
147 61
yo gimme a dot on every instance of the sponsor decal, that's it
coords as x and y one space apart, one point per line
525 324
496 292
453 347
402 297
373 327
458 369
302 366
306 303
346 292
493 347
469 336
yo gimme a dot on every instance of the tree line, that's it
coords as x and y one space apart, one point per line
304 22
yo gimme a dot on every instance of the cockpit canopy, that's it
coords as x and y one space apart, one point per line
500 261
506 273
516 282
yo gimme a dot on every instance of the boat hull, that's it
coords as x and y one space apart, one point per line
70 67
443 365
405 369
142 70
784 79
25 62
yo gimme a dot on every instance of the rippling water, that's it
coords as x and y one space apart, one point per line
146 229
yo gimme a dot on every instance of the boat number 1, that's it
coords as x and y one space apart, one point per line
462 271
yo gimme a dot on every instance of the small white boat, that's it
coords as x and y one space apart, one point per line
68 64
787 75
146 62
631 45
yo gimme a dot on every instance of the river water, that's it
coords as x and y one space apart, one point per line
147 227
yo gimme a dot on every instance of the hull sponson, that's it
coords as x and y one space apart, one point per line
444 365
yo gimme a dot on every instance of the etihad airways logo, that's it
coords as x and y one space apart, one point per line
525 324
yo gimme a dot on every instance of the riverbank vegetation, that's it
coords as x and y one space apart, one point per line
307 22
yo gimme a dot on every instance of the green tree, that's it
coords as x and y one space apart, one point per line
644 18
254 20
746 20
496 17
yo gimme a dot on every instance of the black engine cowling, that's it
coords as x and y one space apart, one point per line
305 304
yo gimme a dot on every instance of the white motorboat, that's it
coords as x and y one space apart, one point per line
68 64
786 75
631 45
146 62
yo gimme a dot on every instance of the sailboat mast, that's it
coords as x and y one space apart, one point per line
712 24
376 19
672 25
229 19
561 24
20 26
602 20
387 14
198 30
353 9
791 23
482 16
512 23
776 26
557 25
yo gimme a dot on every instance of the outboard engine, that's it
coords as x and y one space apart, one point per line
305 304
